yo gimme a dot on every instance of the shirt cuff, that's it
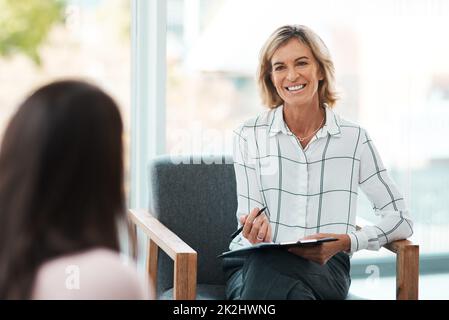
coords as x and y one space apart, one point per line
359 241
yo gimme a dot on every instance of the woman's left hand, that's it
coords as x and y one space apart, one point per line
322 253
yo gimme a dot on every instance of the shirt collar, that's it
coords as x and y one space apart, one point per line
332 125
277 123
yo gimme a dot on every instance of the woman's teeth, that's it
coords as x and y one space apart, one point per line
296 88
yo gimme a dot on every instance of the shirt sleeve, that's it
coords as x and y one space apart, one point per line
248 194
387 201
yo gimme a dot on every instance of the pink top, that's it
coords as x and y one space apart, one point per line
94 274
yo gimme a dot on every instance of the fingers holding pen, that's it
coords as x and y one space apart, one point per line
269 234
248 223
257 227
263 231
259 230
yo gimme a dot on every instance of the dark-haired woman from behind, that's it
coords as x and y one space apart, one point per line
62 198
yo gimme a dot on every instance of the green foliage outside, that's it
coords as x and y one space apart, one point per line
25 24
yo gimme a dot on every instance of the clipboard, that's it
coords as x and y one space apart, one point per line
281 245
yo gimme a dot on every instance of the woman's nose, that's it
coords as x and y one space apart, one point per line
292 74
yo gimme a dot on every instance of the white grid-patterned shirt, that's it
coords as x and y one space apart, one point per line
314 190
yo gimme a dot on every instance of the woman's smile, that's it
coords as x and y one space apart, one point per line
295 89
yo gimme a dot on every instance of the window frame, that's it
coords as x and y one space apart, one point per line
148 87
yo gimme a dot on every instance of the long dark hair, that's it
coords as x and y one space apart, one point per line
61 180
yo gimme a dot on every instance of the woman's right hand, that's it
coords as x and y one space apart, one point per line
256 229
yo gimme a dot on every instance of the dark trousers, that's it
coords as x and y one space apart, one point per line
280 275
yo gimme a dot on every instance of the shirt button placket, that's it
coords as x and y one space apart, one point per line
303 185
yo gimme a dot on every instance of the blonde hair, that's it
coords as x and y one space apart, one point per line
326 87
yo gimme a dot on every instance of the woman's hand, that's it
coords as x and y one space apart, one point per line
322 253
256 229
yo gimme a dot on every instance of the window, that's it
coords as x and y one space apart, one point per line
74 38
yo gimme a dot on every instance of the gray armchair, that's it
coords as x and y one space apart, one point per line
192 214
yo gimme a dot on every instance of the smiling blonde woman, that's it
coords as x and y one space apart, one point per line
305 164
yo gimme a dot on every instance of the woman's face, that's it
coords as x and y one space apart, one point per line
295 73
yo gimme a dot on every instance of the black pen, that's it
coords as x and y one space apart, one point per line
236 232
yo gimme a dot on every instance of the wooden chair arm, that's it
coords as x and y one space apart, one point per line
398 245
184 257
407 268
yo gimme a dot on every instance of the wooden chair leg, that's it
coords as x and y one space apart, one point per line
407 273
132 238
151 267
185 276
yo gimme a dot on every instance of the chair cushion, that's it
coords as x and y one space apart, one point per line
203 292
